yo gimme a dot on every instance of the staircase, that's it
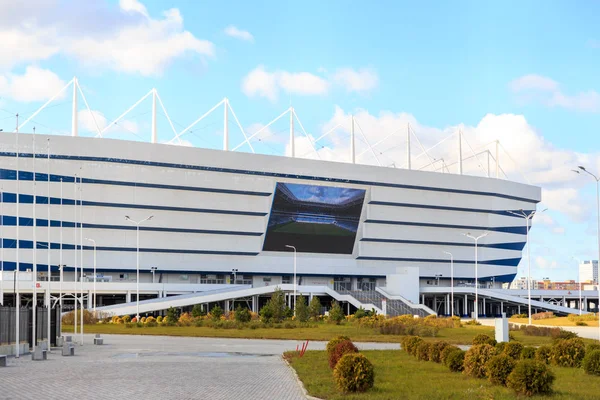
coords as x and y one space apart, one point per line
394 307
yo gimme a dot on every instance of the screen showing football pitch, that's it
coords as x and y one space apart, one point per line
314 219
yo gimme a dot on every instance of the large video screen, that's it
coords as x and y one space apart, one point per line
314 219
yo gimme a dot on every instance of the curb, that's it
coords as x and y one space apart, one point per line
298 381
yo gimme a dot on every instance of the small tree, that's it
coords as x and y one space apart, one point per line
216 312
197 311
336 315
172 316
302 313
314 309
242 314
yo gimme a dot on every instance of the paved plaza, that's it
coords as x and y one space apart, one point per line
159 367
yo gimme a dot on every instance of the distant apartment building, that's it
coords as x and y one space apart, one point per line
588 271
521 284
547 284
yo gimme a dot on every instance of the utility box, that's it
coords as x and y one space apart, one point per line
502 329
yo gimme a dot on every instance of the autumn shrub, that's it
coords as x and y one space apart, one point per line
528 352
476 359
568 352
591 362
519 316
88 317
455 360
543 354
126 318
483 339
513 349
422 352
498 368
435 351
185 319
532 330
530 377
339 351
159 319
354 373
543 315
500 347
412 343
446 352
334 342
591 347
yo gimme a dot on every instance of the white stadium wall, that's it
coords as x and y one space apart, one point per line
211 209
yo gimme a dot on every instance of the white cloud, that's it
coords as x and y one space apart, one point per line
540 89
35 84
239 34
262 83
94 120
362 80
559 230
125 39
544 263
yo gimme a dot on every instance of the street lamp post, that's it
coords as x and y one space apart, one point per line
451 280
94 300
137 226
579 279
292 247
476 239
582 169
527 217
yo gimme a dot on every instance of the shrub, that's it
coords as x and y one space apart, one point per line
172 315
519 316
483 339
354 373
404 325
126 318
446 352
591 362
412 343
581 323
197 311
498 369
435 351
532 330
133 320
314 308
88 317
339 351
185 319
216 313
500 347
543 315
455 360
543 354
360 313
472 322
476 359
242 314
275 309
302 313
591 347
151 323
568 352
422 352
334 342
336 315
528 352
159 319
513 349
530 377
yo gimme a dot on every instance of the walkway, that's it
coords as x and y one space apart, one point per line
587 332
159 367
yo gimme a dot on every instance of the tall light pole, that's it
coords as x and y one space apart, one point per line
528 218
582 169
476 239
1 246
137 226
579 278
451 280
292 247
94 299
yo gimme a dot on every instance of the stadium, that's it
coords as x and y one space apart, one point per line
211 221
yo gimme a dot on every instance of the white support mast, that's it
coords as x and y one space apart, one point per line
74 131
408 146
352 141
154 133
34 237
48 301
17 266
460 157
225 125
292 141
497 158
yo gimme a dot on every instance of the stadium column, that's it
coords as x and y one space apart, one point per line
352 143
460 159
292 143
225 125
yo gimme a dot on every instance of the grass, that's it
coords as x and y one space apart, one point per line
400 376
556 321
322 332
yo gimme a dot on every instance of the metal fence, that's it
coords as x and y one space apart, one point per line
8 316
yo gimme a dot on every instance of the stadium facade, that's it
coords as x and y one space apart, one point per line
217 215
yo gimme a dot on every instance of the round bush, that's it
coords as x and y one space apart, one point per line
354 373
446 352
530 377
568 352
341 349
435 351
591 363
528 352
591 347
483 339
500 347
422 352
455 360
498 369
543 354
334 342
476 359
412 344
513 349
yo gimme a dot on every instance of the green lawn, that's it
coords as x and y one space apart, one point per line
322 331
400 376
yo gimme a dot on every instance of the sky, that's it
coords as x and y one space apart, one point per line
521 73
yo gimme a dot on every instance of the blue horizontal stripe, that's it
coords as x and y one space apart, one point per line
24 221
497 278
11 175
505 246
504 213
28 199
506 262
519 230
263 173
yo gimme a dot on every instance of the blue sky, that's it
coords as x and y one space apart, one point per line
524 73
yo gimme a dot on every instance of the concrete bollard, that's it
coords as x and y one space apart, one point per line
68 349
